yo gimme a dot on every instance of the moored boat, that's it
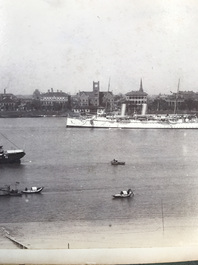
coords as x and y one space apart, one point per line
135 122
4 191
15 193
33 190
124 194
115 162
7 191
10 156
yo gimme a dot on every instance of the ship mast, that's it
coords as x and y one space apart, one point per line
108 91
176 97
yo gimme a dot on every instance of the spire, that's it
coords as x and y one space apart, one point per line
141 87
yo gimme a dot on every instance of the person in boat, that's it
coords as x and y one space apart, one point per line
115 161
130 192
26 189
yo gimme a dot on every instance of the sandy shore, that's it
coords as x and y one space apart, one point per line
64 235
88 243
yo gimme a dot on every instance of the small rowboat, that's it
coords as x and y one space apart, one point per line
124 194
33 190
116 163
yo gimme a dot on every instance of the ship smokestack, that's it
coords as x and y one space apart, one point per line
144 108
123 109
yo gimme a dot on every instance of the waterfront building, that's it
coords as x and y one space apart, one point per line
95 100
134 100
55 100
81 110
8 101
24 102
84 98
174 100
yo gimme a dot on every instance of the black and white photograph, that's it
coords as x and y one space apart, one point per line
98 131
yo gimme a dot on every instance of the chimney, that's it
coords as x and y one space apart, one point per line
4 90
52 90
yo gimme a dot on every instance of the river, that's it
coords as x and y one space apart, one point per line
74 167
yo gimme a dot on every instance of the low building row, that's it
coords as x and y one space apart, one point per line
94 101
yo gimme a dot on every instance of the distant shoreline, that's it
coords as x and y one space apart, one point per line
41 114
31 114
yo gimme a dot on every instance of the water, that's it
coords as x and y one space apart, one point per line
74 167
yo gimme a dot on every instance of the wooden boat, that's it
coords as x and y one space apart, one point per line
7 191
15 193
116 163
33 190
124 194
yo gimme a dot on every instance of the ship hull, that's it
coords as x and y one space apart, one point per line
129 124
11 156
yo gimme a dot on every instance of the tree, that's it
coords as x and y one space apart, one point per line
159 105
36 104
191 104
36 94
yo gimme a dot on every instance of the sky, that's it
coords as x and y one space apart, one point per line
68 44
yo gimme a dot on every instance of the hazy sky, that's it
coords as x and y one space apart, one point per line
68 44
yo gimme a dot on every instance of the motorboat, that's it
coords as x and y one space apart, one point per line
115 162
124 194
33 190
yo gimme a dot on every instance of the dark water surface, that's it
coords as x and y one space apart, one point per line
74 167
